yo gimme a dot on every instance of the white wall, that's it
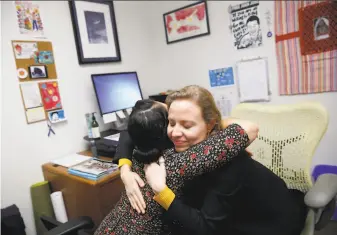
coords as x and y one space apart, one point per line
26 147
188 62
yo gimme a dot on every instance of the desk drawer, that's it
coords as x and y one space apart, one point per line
109 194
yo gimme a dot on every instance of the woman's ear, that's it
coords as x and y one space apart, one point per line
210 125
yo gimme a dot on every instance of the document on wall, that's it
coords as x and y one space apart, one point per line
226 99
253 80
31 95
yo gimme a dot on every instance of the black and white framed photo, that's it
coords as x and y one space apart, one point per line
95 31
38 71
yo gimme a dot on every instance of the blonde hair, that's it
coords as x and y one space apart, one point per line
203 98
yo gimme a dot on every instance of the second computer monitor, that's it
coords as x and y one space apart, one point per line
116 91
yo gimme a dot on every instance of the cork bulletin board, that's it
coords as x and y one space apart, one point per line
34 60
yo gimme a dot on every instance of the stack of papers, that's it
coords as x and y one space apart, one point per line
70 160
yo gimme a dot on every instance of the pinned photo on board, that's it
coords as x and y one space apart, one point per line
321 28
56 116
38 71
45 57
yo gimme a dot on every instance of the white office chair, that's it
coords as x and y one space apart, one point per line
288 138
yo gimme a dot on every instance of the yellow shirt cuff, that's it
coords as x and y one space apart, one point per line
165 198
124 161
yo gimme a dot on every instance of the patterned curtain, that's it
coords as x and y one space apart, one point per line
306 67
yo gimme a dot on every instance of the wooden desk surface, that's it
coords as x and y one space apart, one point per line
64 171
83 197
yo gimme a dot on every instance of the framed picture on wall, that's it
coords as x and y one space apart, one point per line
95 31
186 22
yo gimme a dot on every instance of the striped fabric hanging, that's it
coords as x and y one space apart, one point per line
300 74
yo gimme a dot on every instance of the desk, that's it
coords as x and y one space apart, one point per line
83 197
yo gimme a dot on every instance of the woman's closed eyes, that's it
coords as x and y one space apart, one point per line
184 124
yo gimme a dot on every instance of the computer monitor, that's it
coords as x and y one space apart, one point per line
116 91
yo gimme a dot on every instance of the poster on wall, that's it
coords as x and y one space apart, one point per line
29 18
221 77
245 24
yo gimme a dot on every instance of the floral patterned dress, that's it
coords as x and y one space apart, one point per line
204 157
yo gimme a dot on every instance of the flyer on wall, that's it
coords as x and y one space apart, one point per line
226 98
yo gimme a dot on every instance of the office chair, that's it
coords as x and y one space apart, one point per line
79 226
287 140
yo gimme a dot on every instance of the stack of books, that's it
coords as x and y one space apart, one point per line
93 169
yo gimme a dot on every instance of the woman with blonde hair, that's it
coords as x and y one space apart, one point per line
242 197
201 154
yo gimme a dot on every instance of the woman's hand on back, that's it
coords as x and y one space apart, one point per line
132 182
156 175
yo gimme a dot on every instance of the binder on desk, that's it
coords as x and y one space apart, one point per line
253 80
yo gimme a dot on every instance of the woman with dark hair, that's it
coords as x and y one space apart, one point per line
147 128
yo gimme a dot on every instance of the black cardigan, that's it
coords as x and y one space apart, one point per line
244 197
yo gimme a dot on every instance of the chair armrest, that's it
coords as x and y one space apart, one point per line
83 222
323 191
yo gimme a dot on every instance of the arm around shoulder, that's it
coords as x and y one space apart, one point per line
250 128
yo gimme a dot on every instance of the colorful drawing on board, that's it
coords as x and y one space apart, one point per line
29 19
245 22
50 95
56 116
45 57
25 50
221 77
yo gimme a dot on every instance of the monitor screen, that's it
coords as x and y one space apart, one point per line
116 91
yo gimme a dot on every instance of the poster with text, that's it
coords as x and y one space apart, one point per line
29 18
245 24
